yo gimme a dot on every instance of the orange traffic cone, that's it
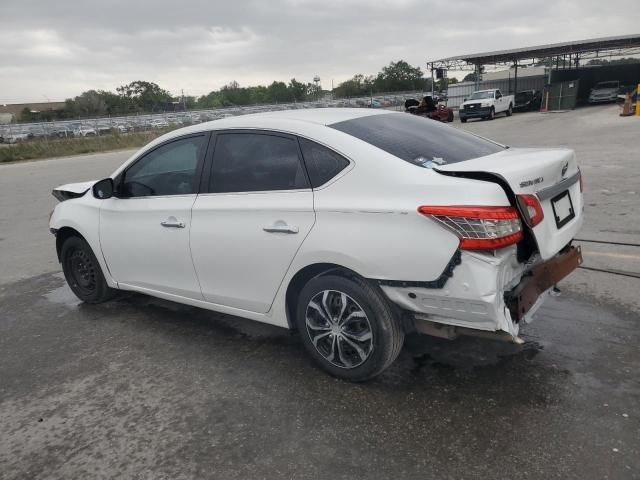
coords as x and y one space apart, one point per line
626 107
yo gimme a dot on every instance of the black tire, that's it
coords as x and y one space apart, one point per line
492 114
463 120
83 273
510 110
386 334
450 116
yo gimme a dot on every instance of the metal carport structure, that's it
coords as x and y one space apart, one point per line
567 54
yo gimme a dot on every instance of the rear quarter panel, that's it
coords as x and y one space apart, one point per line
367 220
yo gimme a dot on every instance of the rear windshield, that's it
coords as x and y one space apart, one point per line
607 85
418 140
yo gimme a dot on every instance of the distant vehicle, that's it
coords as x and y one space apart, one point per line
418 227
158 123
16 137
374 104
527 100
429 108
84 131
120 128
486 104
605 92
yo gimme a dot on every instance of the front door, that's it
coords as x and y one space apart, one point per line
144 230
247 229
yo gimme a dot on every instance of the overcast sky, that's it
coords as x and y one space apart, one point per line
58 49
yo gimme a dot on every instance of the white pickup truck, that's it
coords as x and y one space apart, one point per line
486 104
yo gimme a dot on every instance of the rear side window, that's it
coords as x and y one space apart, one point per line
322 164
249 162
417 140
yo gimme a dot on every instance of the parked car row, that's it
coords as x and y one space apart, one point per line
124 125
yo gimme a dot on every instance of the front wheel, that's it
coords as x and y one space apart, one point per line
492 114
83 273
348 327
510 110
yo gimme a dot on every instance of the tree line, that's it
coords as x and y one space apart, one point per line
148 97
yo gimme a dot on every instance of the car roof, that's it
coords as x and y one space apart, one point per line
281 120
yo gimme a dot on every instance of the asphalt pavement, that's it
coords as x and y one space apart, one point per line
147 389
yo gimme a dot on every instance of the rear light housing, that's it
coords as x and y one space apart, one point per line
478 227
531 209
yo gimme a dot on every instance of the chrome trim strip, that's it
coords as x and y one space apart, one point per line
553 190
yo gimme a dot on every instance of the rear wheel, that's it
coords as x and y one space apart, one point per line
348 327
510 110
463 120
83 273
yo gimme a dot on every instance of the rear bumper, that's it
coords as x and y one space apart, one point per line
540 279
487 292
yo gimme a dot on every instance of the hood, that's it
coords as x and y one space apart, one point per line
72 190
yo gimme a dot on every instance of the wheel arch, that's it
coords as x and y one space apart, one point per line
302 277
62 235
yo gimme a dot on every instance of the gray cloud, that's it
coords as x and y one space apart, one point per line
59 49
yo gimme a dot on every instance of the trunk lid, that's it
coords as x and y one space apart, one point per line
550 174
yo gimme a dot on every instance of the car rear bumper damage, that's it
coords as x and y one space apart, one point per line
487 292
539 279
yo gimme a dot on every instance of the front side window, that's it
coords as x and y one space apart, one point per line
251 162
322 164
168 170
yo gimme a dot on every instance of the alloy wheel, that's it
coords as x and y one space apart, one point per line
339 329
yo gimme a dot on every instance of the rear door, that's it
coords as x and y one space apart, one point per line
255 213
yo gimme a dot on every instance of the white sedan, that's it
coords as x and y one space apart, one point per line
351 226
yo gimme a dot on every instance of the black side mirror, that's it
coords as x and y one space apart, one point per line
464 99
103 189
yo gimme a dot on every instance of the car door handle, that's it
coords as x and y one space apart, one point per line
172 222
281 228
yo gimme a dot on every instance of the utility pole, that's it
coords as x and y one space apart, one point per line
184 105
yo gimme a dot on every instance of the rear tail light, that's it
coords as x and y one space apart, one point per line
479 227
531 209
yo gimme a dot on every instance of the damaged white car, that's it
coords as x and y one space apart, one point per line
352 226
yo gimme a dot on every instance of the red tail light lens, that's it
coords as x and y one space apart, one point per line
478 227
530 206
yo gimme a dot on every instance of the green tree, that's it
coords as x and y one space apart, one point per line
145 96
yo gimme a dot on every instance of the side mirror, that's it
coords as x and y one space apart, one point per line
464 99
103 189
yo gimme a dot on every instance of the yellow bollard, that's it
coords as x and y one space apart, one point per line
638 101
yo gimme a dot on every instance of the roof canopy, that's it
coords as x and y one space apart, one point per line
591 48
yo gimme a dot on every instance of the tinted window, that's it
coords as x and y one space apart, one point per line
322 164
167 170
417 140
249 162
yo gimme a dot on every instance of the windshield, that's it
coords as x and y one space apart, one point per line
482 94
607 85
523 96
417 140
